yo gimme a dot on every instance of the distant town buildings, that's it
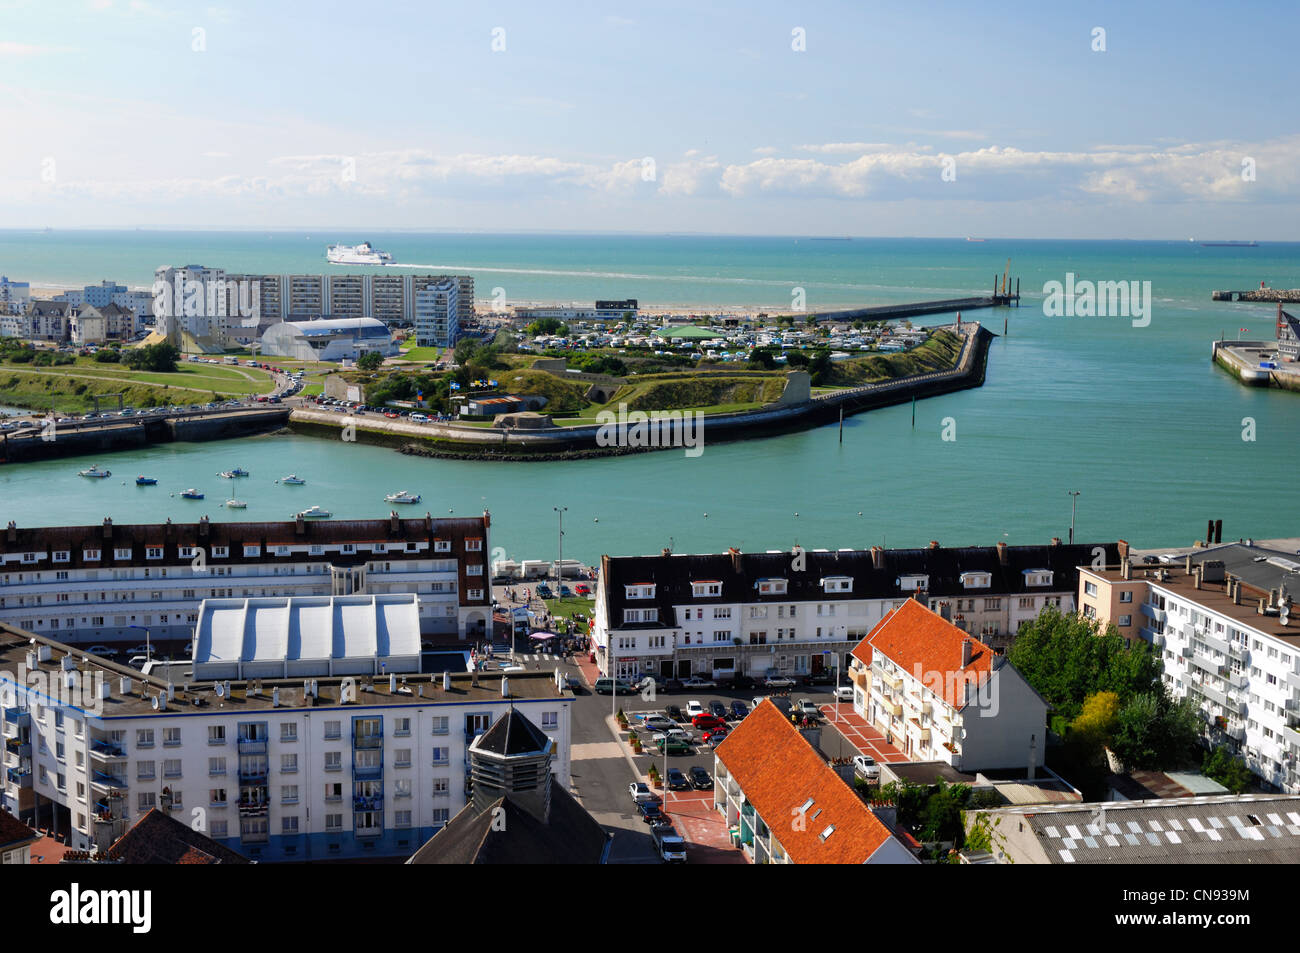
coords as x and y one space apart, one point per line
602 311
802 612
14 295
1222 620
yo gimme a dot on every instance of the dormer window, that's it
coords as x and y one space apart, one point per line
706 588
641 590
90 555
252 550
122 552
1038 577
442 545
473 544
62 556
220 552
837 584
185 552
913 582
153 552
976 580
771 587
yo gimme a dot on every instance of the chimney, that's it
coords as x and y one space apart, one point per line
1262 602
1236 592
1272 598
203 527
1188 564
965 652
505 687
1033 756
446 680
1209 531
11 532
1003 556
275 698
1218 531
300 525
735 559
1122 547
394 522
428 523
665 552
1056 541
934 544
1125 568
877 557
108 527
392 683
1196 577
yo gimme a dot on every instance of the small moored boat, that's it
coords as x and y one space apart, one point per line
191 494
401 496
95 472
237 504
293 480
232 474
146 481
313 513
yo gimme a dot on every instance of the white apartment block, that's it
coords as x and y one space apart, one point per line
940 695
1224 625
801 613
108 584
297 769
437 322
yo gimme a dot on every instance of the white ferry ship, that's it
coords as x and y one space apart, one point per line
363 254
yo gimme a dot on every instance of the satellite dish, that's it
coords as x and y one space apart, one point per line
221 690
155 703
1284 614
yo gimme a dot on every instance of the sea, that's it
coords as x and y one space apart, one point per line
1129 412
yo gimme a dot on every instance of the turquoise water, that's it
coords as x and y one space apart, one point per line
1137 419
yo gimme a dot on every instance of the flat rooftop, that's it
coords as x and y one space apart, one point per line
256 694
1213 596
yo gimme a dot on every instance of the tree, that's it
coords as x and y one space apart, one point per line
160 357
546 327
370 361
1230 771
108 355
1096 723
796 359
1066 658
761 358
1156 732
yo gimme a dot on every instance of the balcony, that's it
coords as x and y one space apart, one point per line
254 808
895 709
252 774
252 745
1293 680
368 740
1152 612
19 746
106 751
16 718
1238 733
1157 639
372 803
19 776
367 772
374 830
107 782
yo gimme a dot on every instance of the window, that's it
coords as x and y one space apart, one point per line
913 582
219 829
144 771
401 818
1089 588
440 815
837 584
217 797
704 590
640 615
172 768
474 569
288 731
289 764
333 761
1125 620
289 824
402 758
144 738
216 766
771 587
334 791
153 552
442 545
333 822
171 737
722 613
1126 596
550 720
146 801
401 726
440 755
333 730
216 734
473 593
645 590
440 724
441 786
473 544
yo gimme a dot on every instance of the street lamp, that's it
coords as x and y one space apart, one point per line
1073 504
148 648
559 562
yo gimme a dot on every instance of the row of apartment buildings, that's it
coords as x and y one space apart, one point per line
103 584
1221 619
64 322
228 308
277 769
802 612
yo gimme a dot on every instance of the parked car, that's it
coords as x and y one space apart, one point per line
695 681
544 591
614 686
640 791
739 710
671 846
705 721
674 713
100 650
140 649
844 693
677 781
672 685
718 710
700 779
808 708
778 681
715 736
865 767
674 744
694 708
657 722
582 589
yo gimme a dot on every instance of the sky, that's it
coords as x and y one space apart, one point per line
1034 120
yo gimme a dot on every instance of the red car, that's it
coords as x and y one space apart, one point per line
716 735
582 589
391 415
708 721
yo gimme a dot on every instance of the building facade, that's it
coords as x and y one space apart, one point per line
940 695
802 612
1223 624
277 770
328 338
107 584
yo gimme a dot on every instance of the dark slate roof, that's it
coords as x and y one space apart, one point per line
571 837
513 733
14 832
739 574
159 838
40 306
1256 566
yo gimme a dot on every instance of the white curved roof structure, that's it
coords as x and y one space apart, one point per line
307 636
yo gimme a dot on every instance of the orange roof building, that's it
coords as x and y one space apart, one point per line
789 806
941 695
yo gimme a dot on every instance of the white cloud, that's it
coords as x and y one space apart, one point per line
11 48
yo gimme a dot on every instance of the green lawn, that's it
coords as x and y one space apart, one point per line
565 608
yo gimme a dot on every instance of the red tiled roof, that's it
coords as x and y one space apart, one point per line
14 832
928 646
779 771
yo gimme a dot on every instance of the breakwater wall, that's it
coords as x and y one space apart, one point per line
80 438
668 431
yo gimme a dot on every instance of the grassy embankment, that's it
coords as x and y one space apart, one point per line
938 353
70 387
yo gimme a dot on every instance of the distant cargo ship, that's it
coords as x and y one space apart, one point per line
1229 244
363 254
